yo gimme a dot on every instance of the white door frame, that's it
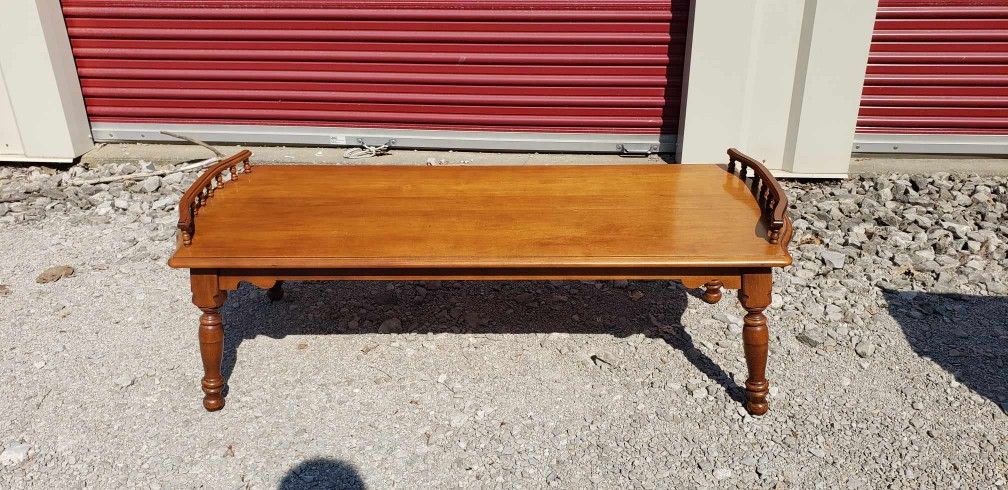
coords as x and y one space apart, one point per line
40 80
778 79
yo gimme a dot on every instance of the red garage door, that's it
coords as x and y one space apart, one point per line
532 74
937 78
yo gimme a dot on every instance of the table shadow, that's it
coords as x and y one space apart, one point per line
963 334
518 307
322 473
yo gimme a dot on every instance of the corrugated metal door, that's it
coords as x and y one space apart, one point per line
531 74
937 78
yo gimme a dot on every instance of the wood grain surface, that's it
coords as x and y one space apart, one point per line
333 216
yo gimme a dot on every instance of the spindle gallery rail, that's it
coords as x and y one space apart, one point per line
203 189
711 226
768 192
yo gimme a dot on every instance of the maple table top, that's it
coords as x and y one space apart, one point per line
337 216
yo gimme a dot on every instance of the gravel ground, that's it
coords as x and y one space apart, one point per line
888 359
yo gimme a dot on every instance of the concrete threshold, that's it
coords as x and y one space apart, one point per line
885 164
169 153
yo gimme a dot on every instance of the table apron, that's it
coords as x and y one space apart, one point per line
228 279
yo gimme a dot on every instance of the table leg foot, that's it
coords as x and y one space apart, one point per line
209 299
755 296
211 337
276 292
713 293
755 336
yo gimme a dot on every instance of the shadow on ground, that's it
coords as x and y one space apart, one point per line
651 308
322 473
964 334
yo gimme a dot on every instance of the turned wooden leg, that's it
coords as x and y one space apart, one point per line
755 296
275 293
713 293
208 298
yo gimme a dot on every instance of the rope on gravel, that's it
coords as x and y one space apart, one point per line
366 151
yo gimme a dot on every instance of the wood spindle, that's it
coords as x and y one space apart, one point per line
712 294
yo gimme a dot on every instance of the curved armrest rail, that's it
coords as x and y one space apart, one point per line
768 192
203 189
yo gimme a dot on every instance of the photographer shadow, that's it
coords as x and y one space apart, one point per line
322 473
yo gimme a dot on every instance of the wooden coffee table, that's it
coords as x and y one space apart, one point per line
711 226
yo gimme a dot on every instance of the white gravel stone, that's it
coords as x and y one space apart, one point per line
124 381
151 184
14 454
812 337
865 348
833 259
164 203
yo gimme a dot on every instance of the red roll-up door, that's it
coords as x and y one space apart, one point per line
937 77
608 70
